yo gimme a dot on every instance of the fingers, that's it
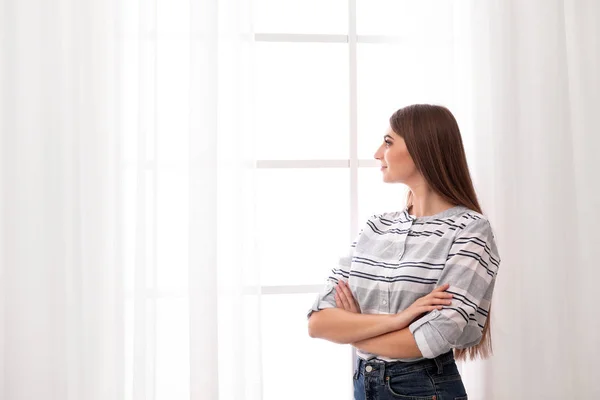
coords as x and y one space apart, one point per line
341 293
434 298
445 286
338 302
431 308
441 295
434 301
345 295
441 298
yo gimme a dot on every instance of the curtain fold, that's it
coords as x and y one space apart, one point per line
108 108
224 279
61 283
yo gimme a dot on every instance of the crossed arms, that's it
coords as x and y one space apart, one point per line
386 335
383 335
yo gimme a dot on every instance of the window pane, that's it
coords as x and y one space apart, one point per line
303 223
391 76
295 366
302 101
301 16
172 349
376 196
408 18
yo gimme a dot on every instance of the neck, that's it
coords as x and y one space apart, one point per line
425 202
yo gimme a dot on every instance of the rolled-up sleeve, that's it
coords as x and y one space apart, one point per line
326 298
470 269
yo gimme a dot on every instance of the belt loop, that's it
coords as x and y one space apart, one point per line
358 359
438 362
382 372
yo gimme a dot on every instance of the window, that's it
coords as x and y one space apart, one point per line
328 76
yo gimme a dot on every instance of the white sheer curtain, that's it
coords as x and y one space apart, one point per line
223 261
61 290
534 94
127 263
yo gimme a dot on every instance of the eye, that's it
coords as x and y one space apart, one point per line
387 143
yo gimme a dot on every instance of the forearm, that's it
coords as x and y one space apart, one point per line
340 326
397 344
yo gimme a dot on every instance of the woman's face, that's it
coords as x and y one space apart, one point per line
396 163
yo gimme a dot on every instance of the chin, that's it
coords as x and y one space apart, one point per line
389 179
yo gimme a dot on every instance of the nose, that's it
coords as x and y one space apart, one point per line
377 154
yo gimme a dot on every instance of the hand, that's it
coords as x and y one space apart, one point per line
425 304
344 298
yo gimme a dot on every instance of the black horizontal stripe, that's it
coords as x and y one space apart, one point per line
392 221
454 225
463 299
475 255
475 258
422 262
386 222
416 265
380 232
341 272
374 228
482 312
376 263
367 261
427 223
460 312
422 233
479 242
440 222
405 278
470 239
373 263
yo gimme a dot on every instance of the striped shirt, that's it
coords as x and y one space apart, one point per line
398 258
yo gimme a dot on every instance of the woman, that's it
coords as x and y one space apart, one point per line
414 293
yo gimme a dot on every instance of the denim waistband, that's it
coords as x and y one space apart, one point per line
397 367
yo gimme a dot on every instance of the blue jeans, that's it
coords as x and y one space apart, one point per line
428 379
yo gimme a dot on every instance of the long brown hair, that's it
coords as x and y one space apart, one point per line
434 142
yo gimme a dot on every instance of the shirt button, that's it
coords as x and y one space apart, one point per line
369 368
384 302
